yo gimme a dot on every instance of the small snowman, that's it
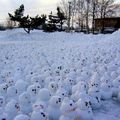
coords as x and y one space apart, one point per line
25 103
84 109
44 95
106 91
10 81
116 84
68 110
48 80
22 117
21 86
39 105
95 94
38 79
62 93
12 109
53 86
2 102
3 89
3 115
33 91
68 83
39 115
80 86
54 107
12 93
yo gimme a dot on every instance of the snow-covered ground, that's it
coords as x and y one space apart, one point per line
45 69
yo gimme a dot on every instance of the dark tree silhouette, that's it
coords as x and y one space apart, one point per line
26 22
61 17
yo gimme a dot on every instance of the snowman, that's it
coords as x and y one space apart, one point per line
84 109
10 82
21 86
25 103
33 91
106 90
39 115
39 105
3 115
38 79
12 93
95 93
68 83
115 88
48 80
68 110
22 117
46 70
2 102
80 86
44 95
54 107
62 93
12 109
3 89
53 86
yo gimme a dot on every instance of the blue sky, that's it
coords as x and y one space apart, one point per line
32 7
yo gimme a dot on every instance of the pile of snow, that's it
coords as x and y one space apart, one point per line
59 76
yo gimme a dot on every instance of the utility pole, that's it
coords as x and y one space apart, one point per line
87 16
93 12
69 16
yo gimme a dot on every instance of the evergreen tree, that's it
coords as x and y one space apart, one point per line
26 22
61 17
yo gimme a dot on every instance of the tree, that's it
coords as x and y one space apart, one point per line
61 17
26 22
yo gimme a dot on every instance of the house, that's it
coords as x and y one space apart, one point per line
111 24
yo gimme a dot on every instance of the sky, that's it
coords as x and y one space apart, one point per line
32 7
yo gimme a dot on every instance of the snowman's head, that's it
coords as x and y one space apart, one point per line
45 70
24 98
58 78
10 81
21 86
22 117
40 105
62 93
44 94
38 79
69 81
3 88
49 79
68 106
34 89
3 116
12 91
2 101
12 106
39 115
55 101
84 103
53 86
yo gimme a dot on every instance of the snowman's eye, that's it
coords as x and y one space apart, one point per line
70 104
3 119
63 94
90 103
